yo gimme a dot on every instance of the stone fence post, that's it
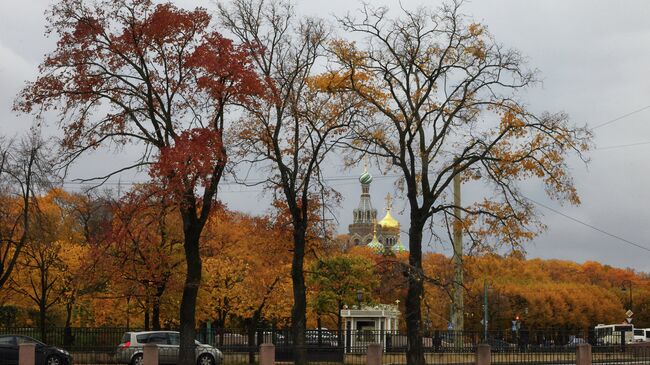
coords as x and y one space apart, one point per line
27 354
267 354
150 354
583 354
374 354
483 354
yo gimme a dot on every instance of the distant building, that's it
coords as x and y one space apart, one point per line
383 236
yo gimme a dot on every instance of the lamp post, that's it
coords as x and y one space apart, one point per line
359 298
458 307
486 287
627 284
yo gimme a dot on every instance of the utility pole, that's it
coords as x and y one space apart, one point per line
485 310
458 307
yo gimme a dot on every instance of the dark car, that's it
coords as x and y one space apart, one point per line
497 345
45 355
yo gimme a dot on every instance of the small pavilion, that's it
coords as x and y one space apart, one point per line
369 324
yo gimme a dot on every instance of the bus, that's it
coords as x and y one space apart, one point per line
641 334
610 334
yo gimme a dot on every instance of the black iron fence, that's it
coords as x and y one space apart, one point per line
238 346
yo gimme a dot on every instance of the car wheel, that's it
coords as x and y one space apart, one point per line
205 359
53 360
137 360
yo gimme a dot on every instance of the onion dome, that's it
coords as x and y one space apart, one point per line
375 244
388 222
365 178
398 247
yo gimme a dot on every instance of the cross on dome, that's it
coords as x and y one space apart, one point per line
389 201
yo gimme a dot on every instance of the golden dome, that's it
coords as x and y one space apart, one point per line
388 222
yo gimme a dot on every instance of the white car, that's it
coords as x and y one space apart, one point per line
130 350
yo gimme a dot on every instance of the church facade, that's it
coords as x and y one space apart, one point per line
382 236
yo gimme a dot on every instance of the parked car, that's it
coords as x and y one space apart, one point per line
45 355
497 345
575 341
272 336
130 350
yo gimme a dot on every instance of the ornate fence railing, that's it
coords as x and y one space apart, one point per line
107 345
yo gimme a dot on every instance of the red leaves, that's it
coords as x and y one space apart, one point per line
192 160
87 28
226 72
168 24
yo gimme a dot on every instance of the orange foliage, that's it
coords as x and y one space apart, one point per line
246 265
544 293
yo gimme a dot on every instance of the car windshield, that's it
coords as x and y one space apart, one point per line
21 339
174 339
7 340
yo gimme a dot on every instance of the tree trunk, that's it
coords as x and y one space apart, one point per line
42 305
146 312
192 231
41 321
67 331
252 331
155 311
339 324
414 352
298 312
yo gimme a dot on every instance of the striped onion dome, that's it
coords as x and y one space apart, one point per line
365 178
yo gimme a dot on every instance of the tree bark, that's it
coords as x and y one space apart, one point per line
414 352
192 231
155 310
252 331
147 324
339 324
298 312
42 305
41 321
67 331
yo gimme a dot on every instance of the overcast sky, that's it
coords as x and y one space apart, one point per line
594 58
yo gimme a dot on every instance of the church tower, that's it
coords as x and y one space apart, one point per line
362 227
390 230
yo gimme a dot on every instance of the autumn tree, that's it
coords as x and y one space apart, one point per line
335 281
26 170
447 103
246 285
545 294
130 72
86 217
143 252
294 127
41 268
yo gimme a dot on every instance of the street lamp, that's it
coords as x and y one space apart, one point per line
359 298
626 284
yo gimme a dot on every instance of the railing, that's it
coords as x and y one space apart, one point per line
100 345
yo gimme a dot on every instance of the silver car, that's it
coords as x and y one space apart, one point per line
130 350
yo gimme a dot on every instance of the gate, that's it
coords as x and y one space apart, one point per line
321 346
